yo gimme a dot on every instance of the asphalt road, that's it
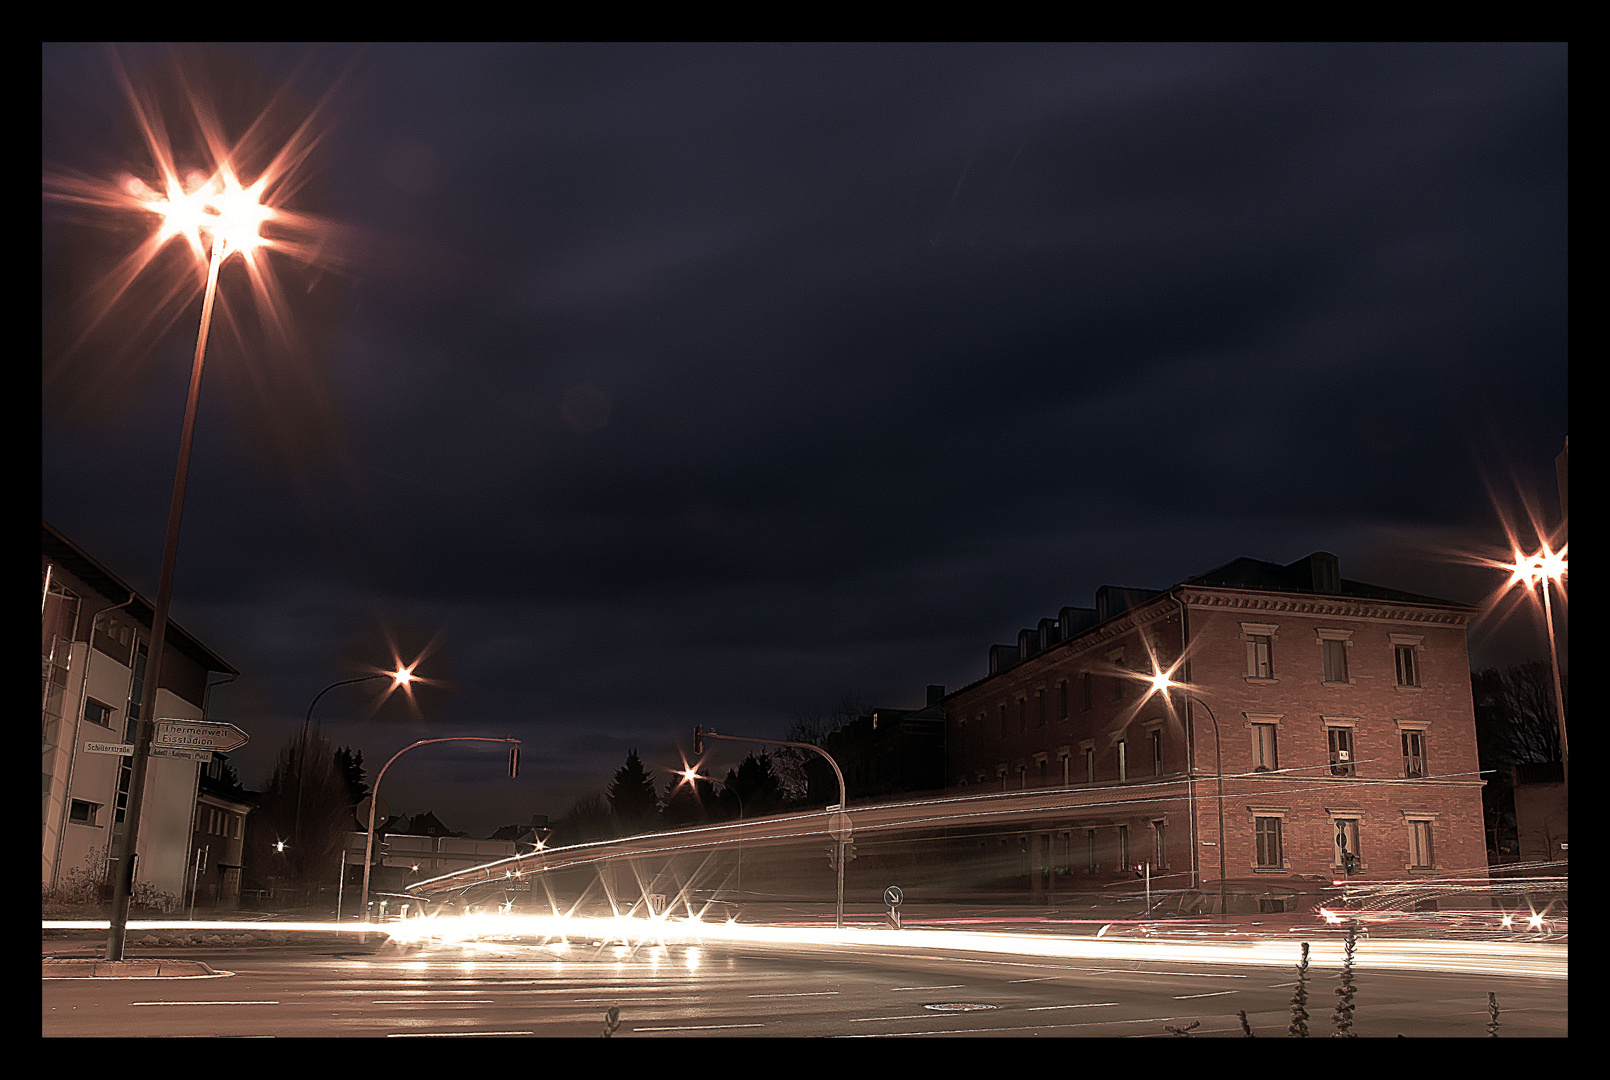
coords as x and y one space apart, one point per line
496 988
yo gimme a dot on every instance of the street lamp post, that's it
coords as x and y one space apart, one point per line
401 677
1162 683
374 801
690 775
1542 569
232 216
699 735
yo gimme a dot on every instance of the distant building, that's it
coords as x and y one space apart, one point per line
892 751
94 634
218 839
1542 813
1326 708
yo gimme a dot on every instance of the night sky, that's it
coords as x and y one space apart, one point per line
646 386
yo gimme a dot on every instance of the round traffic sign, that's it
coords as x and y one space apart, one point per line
892 896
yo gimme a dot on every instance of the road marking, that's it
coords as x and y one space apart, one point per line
1042 978
416 1001
1216 993
1090 1005
947 986
700 1027
203 1003
813 993
450 1034
1035 1027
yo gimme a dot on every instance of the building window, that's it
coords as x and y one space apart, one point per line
1003 721
1346 837
1090 849
1118 684
1335 654
1042 772
1159 849
1341 750
1421 857
1022 715
83 813
1157 753
1414 753
1089 680
1123 762
1039 702
1023 777
1408 665
1260 657
1062 687
1001 772
1123 847
1067 771
1265 748
1267 830
98 713
1090 766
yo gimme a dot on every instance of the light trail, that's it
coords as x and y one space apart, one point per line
1489 957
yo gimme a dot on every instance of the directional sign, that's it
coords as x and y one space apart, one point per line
121 749
180 753
198 735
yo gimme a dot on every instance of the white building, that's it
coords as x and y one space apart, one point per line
94 633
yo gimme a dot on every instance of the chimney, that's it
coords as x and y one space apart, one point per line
1002 657
1325 572
935 693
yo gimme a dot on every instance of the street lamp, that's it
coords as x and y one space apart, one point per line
840 828
230 216
374 801
690 775
402 677
1541 569
1161 683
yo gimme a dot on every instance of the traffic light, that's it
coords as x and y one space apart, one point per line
833 855
698 738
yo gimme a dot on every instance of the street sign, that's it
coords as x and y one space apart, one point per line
121 749
892 896
198 735
838 826
181 753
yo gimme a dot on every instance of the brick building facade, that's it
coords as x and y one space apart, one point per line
1318 707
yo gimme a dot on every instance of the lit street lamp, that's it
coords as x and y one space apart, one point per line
402 677
1161 683
1541 569
230 216
689 776
839 829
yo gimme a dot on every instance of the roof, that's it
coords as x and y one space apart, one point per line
64 553
1295 578
1243 573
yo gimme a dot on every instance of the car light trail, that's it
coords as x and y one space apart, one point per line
1517 958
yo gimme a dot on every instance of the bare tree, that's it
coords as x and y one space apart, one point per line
1516 722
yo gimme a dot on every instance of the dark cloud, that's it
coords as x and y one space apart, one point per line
673 383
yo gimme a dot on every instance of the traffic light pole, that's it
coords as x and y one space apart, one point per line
699 735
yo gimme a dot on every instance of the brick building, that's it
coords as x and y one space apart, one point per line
1318 707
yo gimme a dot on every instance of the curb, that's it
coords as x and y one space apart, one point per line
129 969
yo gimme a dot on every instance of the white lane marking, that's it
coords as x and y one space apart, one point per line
1035 1027
203 1003
700 1027
947 986
1216 993
813 993
1088 1005
417 1001
1042 978
450 1034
